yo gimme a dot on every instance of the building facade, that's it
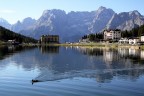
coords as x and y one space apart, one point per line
132 41
142 38
124 41
49 39
112 35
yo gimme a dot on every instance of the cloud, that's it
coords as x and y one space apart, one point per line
7 11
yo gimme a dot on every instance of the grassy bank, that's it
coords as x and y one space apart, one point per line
98 45
2 43
142 47
85 45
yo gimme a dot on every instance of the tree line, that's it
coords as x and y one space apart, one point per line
135 32
93 37
6 35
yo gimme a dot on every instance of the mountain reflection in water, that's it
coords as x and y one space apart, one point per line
101 64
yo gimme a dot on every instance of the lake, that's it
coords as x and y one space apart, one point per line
71 71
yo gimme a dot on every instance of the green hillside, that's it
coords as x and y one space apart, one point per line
6 35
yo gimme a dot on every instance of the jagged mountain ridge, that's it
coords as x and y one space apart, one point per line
71 26
17 27
126 20
25 24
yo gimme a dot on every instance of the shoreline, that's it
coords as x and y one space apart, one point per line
87 45
97 45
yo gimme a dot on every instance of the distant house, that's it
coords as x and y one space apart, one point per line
134 41
49 39
124 41
84 40
142 38
12 42
114 35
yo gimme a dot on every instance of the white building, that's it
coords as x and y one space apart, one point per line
142 38
124 41
134 41
112 34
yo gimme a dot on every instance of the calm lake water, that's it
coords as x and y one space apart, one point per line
72 71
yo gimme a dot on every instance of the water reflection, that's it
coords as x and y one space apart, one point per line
101 64
49 49
135 55
9 50
7 53
56 63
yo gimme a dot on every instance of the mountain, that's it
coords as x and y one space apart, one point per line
4 23
126 20
102 17
77 24
70 26
25 24
73 25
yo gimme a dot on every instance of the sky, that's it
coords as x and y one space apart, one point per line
14 10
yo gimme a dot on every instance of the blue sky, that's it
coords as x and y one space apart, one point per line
14 10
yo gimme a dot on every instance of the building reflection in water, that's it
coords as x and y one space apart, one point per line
142 54
119 62
129 52
110 55
49 49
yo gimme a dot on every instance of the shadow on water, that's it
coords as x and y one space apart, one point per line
6 51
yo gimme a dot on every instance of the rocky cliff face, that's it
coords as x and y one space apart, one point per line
126 20
101 19
70 26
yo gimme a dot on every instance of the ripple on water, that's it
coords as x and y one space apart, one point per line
68 87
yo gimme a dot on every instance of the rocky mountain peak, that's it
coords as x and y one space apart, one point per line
104 9
101 8
135 12
102 17
25 24
28 19
53 11
126 20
